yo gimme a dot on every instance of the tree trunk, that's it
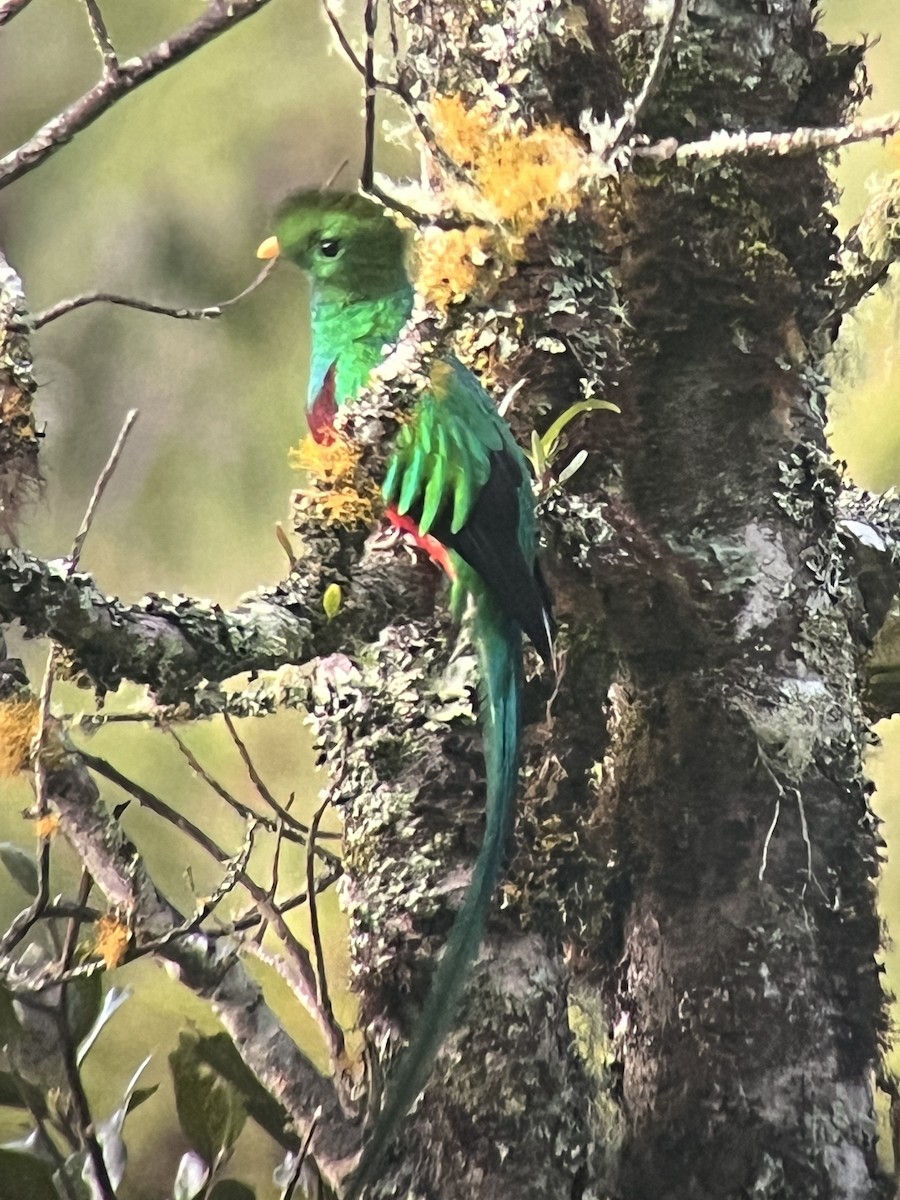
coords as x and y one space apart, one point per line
695 849
678 996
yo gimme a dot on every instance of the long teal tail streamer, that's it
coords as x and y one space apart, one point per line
499 643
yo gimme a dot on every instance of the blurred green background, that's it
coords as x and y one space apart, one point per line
166 197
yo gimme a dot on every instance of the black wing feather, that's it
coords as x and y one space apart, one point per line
489 542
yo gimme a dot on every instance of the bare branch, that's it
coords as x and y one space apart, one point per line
793 141
368 168
99 488
287 820
301 1159
85 1124
220 978
102 39
351 54
635 109
219 16
11 9
297 970
321 972
179 313
244 811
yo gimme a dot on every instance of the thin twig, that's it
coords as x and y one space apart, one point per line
265 793
244 811
99 488
367 176
635 109
178 312
343 39
770 833
276 868
295 830
80 1102
74 923
217 17
11 9
395 88
332 178
300 976
321 972
394 36
102 40
420 220
793 141
288 1192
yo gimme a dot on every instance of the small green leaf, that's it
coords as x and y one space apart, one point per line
139 1095
84 1003
219 1052
22 1175
112 1002
210 1111
190 1177
231 1189
538 457
575 465
21 866
554 433
332 600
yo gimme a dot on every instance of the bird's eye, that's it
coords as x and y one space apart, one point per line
330 248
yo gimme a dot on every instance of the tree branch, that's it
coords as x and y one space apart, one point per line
178 312
219 16
176 644
11 9
19 475
202 966
792 141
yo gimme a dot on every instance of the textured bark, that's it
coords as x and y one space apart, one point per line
696 851
678 996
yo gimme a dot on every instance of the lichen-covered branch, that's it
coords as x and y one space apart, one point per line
870 527
871 247
209 965
174 644
210 968
19 477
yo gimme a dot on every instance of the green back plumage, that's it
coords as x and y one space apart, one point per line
458 472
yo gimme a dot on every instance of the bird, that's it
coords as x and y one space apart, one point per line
459 482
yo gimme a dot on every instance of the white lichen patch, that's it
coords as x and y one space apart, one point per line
767 575
790 732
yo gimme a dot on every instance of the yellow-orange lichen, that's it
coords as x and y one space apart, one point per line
329 462
19 720
111 939
523 174
448 262
336 495
345 506
47 826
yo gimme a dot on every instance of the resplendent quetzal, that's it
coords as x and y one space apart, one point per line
460 483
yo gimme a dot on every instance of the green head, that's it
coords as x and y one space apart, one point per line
347 245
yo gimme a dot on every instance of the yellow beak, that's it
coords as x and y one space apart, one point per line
269 248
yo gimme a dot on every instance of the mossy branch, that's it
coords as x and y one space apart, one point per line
173 644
